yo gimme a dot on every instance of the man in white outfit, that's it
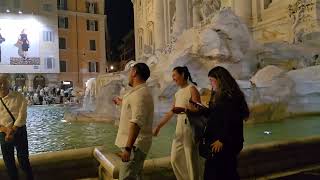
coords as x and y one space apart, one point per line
134 136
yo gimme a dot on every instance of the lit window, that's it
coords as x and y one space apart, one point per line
92 25
49 62
48 36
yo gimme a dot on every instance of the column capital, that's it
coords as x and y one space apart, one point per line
133 2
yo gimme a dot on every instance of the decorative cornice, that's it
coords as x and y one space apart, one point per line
87 15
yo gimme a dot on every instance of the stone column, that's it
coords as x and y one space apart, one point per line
243 8
195 13
135 28
159 26
181 21
256 11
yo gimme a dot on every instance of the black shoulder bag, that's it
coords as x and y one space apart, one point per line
198 122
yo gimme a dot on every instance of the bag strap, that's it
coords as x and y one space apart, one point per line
14 119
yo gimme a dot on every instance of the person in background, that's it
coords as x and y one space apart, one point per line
185 157
13 110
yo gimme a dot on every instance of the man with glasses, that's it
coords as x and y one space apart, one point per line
13 110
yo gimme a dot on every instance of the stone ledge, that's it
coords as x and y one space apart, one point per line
67 164
255 161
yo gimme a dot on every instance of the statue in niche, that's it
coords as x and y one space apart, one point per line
172 14
298 14
206 9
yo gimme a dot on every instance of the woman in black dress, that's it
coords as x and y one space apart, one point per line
227 111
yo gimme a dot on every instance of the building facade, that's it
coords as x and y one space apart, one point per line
78 36
126 50
82 42
158 22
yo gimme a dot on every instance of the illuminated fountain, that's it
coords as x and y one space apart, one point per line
278 78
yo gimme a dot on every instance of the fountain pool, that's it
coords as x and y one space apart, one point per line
48 132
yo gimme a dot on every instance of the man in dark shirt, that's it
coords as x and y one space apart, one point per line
1 41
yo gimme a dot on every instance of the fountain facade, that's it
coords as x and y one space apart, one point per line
274 69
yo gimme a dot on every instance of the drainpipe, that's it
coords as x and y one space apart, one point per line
78 61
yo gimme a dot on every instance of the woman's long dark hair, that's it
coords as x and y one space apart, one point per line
227 87
185 72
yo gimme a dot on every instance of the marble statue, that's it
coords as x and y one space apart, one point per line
298 14
207 8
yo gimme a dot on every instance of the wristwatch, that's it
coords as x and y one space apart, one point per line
128 149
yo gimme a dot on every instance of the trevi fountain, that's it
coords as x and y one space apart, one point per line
271 47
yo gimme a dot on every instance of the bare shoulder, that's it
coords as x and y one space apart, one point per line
193 89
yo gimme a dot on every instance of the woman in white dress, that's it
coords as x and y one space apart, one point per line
184 152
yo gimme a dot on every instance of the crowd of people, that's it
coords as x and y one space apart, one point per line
47 95
212 157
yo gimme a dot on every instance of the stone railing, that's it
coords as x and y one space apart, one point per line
256 161
68 164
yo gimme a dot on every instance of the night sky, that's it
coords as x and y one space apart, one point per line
120 20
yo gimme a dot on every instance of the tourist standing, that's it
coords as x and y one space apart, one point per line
61 96
185 157
13 109
135 128
224 132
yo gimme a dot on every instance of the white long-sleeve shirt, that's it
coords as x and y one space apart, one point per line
17 104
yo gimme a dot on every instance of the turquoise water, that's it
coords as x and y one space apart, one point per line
48 132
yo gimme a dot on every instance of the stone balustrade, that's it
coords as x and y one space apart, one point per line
68 164
256 161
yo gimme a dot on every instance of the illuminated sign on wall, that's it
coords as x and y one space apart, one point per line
27 45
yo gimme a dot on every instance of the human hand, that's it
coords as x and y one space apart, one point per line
125 156
9 134
216 146
117 100
9 137
178 110
156 131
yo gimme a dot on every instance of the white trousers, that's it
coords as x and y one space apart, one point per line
185 159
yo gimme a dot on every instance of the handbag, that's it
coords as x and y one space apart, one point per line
205 149
198 123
